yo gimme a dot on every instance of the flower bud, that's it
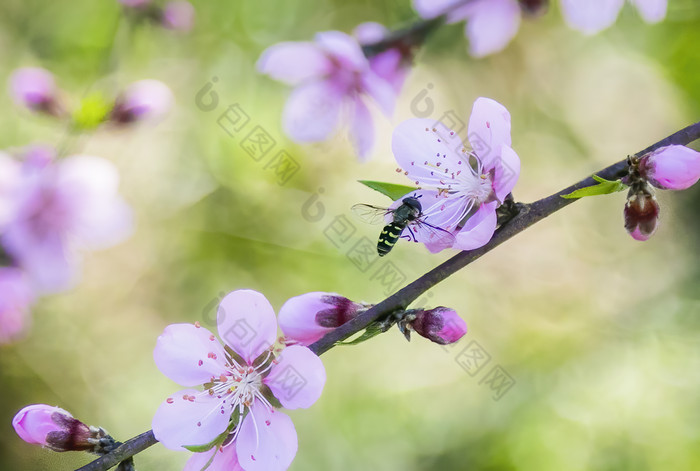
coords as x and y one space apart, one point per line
54 428
440 325
671 167
142 100
15 299
641 213
178 16
34 88
308 317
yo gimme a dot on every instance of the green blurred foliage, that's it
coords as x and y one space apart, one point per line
600 332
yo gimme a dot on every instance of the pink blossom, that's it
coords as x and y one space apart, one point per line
35 88
593 16
178 16
333 81
142 100
460 187
308 317
235 408
15 300
392 64
671 167
440 325
57 210
54 428
491 24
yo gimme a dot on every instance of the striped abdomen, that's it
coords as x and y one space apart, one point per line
387 239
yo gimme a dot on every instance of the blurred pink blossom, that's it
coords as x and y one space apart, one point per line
235 405
142 100
460 187
392 64
593 16
178 16
15 300
491 24
35 88
55 211
333 81
671 167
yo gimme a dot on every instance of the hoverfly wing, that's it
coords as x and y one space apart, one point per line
371 214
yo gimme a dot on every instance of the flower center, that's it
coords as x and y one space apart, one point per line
241 387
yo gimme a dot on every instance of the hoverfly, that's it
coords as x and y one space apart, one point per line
408 213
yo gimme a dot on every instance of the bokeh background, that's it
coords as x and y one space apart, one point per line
600 333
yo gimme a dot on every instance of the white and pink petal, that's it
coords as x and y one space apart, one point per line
361 130
492 24
247 323
507 172
425 149
267 440
590 16
294 62
489 129
651 11
190 418
216 459
189 355
312 111
298 378
478 229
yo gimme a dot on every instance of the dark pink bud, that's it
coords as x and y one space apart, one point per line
54 428
671 167
440 325
142 100
308 317
178 16
34 88
641 214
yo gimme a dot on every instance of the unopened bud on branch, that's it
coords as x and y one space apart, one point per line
55 428
308 317
441 325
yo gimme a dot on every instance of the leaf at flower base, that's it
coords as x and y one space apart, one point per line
208 446
604 187
371 331
392 190
93 111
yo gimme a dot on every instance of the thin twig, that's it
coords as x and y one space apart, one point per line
529 215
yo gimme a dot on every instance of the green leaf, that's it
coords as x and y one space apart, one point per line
200 448
604 187
391 190
208 446
371 331
93 111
